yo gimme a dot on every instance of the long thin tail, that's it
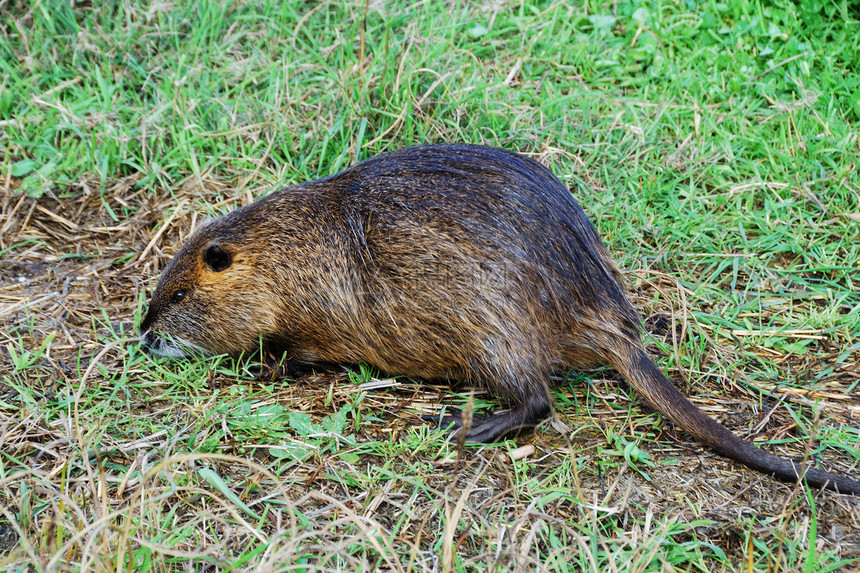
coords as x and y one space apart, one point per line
641 372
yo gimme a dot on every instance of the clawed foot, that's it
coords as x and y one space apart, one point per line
484 428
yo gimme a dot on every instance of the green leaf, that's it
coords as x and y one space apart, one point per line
709 21
291 451
301 422
476 31
602 22
335 423
215 481
350 457
269 416
641 16
23 167
795 348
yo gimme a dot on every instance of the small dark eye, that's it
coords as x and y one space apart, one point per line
177 296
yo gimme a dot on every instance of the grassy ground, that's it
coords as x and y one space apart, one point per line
715 145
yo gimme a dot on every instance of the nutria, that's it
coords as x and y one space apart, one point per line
437 262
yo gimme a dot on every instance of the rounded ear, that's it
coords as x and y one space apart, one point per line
217 258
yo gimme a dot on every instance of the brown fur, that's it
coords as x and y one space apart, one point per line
437 262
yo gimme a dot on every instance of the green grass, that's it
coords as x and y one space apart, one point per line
714 144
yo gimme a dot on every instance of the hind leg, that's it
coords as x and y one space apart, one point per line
528 408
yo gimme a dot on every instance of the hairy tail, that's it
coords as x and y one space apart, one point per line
641 372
